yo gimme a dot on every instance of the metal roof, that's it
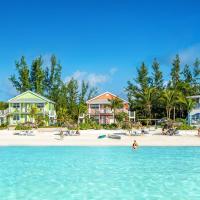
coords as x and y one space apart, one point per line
42 98
90 101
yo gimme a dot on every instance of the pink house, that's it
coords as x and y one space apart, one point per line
99 110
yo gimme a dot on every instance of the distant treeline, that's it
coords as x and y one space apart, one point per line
151 97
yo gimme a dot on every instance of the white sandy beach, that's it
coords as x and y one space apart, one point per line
50 137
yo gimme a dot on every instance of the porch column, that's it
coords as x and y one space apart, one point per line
99 115
189 119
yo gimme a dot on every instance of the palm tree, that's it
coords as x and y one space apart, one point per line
115 103
81 108
187 102
146 99
63 118
169 97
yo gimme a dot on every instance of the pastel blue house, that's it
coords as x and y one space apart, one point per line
194 114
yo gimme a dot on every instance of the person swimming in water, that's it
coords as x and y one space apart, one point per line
135 145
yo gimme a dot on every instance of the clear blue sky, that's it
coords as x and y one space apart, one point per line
103 41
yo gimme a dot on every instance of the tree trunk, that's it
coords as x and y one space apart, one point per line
169 113
149 111
114 115
174 113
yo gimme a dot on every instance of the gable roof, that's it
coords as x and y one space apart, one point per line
104 101
29 100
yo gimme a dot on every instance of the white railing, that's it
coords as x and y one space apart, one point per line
101 111
52 113
106 111
4 112
25 110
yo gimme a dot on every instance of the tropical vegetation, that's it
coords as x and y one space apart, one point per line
46 79
152 97
149 94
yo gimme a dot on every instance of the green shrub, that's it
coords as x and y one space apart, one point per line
181 120
126 126
84 126
89 124
4 126
185 127
109 126
41 120
23 127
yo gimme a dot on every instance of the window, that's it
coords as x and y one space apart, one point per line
16 118
95 118
16 105
94 106
40 105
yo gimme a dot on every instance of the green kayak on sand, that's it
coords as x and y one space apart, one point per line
101 136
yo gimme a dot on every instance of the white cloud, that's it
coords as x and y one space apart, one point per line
189 54
113 70
92 78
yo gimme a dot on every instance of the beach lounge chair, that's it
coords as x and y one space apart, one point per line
138 133
22 133
173 132
66 133
16 133
177 132
72 133
165 132
143 131
135 133
30 133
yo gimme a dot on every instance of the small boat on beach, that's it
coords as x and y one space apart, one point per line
120 133
114 136
101 136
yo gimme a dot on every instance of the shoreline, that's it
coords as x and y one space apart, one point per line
102 146
88 138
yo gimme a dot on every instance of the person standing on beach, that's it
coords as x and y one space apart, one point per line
199 131
61 135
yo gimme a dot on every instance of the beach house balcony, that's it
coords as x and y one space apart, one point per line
23 108
20 107
100 111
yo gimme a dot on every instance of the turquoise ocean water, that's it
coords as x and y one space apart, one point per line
66 173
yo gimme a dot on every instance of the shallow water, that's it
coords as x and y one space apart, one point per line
58 173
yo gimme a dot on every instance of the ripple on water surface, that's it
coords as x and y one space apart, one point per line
149 173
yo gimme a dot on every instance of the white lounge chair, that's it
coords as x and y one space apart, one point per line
30 133
135 133
22 133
